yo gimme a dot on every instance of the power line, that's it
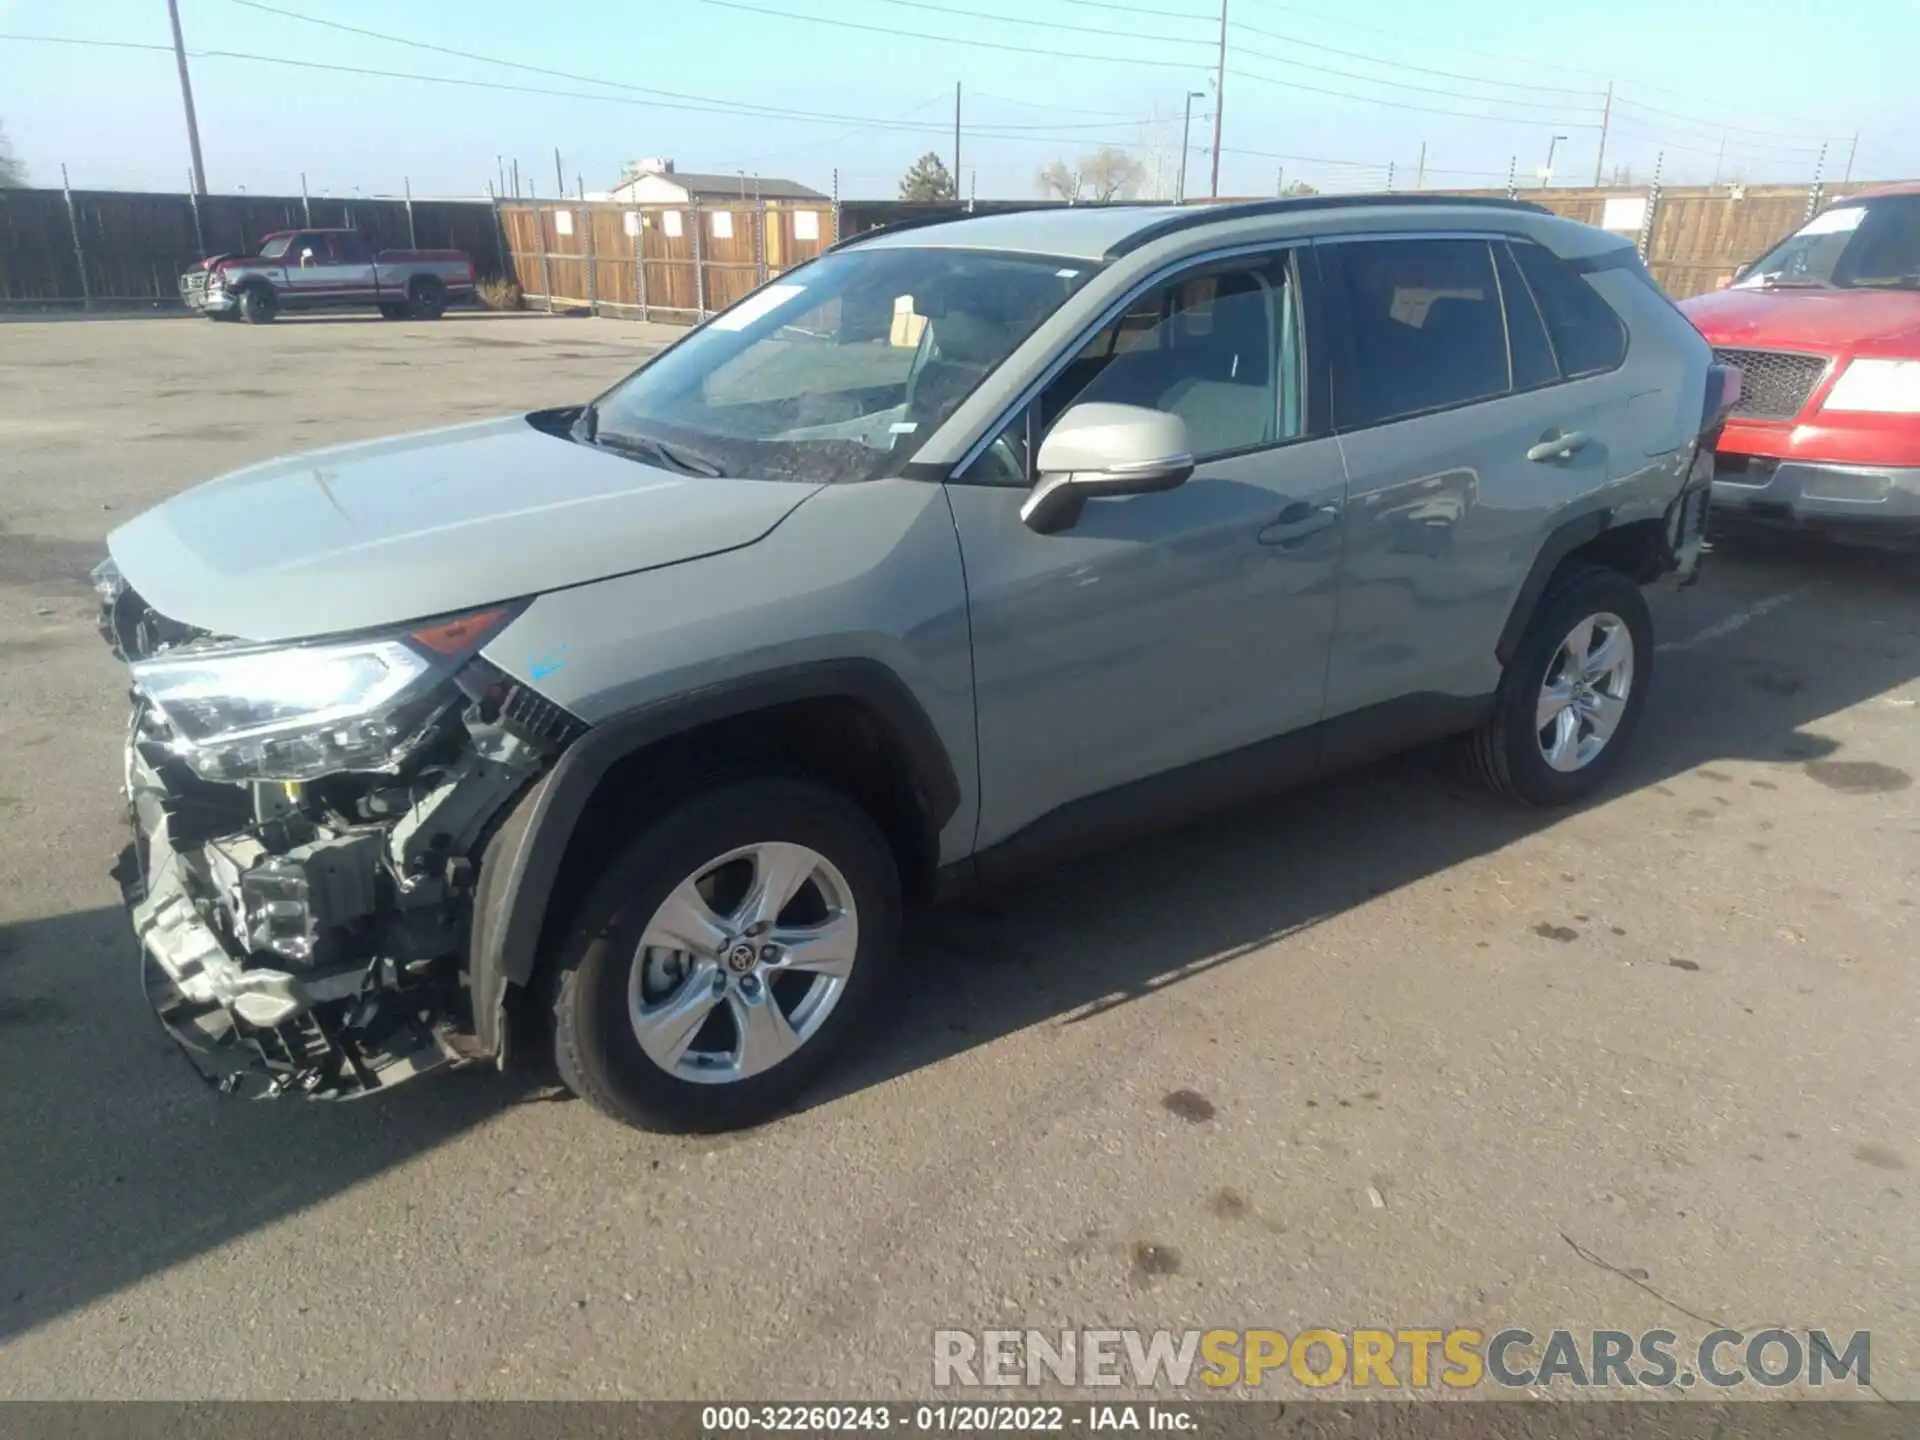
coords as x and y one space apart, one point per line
1404 84
1041 24
1051 54
1542 123
1404 65
700 105
1712 125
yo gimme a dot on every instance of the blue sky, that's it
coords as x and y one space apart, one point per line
1332 91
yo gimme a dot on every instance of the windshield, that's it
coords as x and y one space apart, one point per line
838 371
1867 246
276 247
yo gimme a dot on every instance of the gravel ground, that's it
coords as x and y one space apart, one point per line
1382 1052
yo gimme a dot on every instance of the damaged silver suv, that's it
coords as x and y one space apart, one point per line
958 548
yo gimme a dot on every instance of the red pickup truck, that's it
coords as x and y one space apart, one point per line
326 269
1825 328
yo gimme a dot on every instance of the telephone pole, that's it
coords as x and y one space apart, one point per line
956 139
186 99
1606 119
1219 98
1853 146
1420 171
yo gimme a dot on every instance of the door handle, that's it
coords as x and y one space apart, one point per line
1558 447
1298 521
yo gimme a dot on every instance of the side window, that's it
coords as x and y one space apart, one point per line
1587 336
1533 362
1220 348
1423 328
349 249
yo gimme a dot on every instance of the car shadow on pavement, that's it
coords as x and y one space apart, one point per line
1105 930
115 1165
116 1162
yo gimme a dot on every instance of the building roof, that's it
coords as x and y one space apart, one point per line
694 183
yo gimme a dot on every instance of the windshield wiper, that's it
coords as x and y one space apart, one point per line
645 447
1793 282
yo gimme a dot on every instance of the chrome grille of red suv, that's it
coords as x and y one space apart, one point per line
1775 384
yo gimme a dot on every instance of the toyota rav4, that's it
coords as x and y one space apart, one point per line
959 548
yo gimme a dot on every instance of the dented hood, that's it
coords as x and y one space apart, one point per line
364 535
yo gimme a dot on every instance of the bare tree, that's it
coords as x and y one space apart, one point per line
12 172
1300 187
1111 174
1059 181
929 179
1107 174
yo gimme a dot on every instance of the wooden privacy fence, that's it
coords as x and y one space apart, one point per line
114 248
119 248
1693 237
678 262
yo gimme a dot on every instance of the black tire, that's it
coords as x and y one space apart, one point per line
395 309
595 1049
426 299
1506 752
257 305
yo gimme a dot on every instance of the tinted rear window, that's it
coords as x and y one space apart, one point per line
1424 329
1587 336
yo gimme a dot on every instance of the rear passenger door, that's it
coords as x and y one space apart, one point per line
1467 437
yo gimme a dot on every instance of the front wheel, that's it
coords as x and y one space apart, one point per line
724 956
257 306
393 309
1571 698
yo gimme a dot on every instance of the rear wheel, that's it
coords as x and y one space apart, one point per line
395 309
725 956
257 305
1571 698
426 299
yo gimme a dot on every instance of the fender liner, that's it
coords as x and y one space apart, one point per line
1561 542
522 858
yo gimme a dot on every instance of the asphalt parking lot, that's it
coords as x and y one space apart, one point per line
1382 1052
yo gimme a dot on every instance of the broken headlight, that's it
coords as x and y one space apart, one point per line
297 712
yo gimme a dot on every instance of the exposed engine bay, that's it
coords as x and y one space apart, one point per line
303 865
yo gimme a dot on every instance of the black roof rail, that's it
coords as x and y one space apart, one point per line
1197 215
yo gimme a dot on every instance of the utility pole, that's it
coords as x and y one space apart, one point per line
1606 119
1720 160
1546 178
1219 98
956 139
559 175
186 99
1280 181
1853 146
1186 129
1420 171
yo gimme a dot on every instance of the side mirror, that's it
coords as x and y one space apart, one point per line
1741 270
1099 449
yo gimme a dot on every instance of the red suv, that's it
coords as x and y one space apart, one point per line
1825 328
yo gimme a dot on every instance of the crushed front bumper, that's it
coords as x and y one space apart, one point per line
254 1029
197 294
1835 498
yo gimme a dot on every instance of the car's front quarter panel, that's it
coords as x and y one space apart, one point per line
864 572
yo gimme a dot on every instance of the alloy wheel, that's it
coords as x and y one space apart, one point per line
1585 692
742 962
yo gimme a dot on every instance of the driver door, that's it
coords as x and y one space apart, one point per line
1162 631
